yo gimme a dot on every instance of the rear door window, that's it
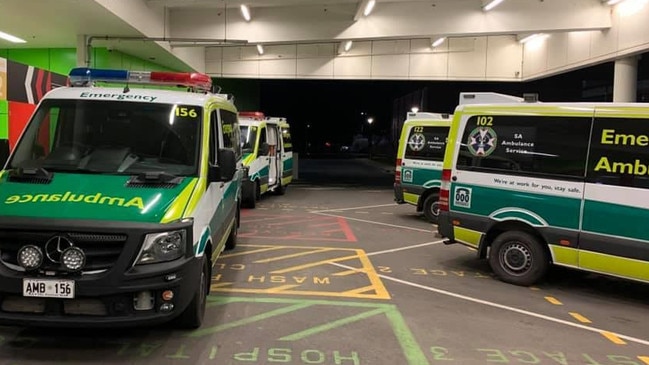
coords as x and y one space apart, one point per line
426 143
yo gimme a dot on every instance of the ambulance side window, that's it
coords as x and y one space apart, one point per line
427 143
214 132
286 137
619 152
263 141
231 132
526 145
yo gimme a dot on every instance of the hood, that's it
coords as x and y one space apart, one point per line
85 196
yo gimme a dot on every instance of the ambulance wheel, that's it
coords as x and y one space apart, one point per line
231 243
192 317
518 258
251 196
431 208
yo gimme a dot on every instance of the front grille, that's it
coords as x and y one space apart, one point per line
29 179
102 250
78 306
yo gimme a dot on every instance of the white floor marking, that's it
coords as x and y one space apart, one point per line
404 248
379 223
363 207
502 306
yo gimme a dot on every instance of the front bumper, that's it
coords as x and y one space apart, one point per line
102 298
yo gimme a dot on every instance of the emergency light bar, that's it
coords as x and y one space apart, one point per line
254 115
84 76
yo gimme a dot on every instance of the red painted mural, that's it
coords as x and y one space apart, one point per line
26 86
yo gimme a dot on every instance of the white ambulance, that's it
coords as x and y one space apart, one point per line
117 201
267 155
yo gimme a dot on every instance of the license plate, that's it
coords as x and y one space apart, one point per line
48 288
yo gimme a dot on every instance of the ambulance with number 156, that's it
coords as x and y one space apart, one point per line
117 201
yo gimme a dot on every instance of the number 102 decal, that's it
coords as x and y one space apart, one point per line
462 197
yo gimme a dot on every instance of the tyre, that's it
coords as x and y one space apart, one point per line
231 243
518 258
192 317
250 195
431 208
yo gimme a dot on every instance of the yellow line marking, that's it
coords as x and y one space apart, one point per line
293 255
644 359
297 247
380 291
221 284
360 290
580 318
372 275
349 272
281 288
250 252
613 338
312 264
553 300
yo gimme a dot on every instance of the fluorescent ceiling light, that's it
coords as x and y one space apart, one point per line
534 36
369 7
438 42
613 2
348 46
11 38
260 49
492 4
245 12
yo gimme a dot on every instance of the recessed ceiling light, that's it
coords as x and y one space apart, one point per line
369 7
245 12
492 4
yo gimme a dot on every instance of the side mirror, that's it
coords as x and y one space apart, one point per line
226 168
4 152
263 149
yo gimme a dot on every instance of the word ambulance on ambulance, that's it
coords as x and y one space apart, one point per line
267 156
116 201
418 174
531 184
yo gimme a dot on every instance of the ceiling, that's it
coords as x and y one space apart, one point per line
175 32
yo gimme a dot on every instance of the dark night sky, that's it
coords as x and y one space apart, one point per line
333 108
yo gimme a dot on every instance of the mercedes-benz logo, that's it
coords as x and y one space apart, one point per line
55 246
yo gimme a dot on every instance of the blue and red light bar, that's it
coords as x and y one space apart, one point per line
84 76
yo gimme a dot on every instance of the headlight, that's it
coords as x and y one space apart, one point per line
160 247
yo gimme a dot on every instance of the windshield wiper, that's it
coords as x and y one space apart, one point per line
155 177
30 175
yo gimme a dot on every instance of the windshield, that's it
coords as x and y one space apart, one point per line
248 138
111 137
